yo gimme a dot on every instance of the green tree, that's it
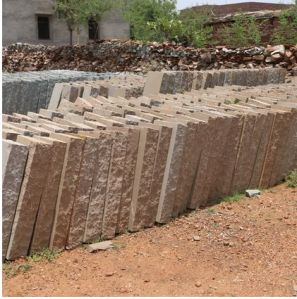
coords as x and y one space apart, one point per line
79 12
286 31
150 19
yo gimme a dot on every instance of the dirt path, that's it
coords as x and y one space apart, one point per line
244 248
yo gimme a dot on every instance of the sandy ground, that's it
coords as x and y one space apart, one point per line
243 248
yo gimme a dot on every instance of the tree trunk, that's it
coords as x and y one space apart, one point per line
70 37
78 35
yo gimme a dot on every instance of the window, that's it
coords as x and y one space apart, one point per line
43 27
93 30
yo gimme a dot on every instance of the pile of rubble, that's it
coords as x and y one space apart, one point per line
121 163
117 56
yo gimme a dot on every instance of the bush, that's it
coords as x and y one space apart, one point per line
292 179
243 32
286 32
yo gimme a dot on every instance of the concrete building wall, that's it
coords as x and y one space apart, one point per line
20 24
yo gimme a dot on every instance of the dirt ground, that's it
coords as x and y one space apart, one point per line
242 248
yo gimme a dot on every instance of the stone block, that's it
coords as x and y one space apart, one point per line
67 189
14 157
33 184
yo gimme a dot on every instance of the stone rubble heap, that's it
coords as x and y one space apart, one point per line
131 56
94 166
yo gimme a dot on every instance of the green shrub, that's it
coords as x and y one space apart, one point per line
244 31
292 179
286 31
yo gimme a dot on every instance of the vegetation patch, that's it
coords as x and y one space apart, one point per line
44 255
292 179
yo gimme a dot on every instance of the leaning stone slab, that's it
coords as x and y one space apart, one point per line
128 179
67 188
174 160
56 96
31 190
14 157
114 185
147 150
94 219
46 212
83 191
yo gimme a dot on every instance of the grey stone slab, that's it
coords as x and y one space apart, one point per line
14 157
31 190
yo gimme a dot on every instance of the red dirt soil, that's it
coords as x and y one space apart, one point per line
244 248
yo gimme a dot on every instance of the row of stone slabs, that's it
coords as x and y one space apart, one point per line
79 183
30 91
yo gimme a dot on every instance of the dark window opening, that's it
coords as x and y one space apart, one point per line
93 30
43 27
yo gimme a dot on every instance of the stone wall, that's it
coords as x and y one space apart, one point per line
122 162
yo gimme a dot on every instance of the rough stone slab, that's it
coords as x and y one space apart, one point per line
261 151
240 176
283 144
100 246
31 190
83 192
220 141
14 157
67 188
147 150
272 150
46 211
174 160
224 177
56 96
159 171
93 226
128 179
114 185
188 159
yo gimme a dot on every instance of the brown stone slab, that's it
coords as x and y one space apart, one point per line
114 185
83 191
46 211
14 157
94 219
128 179
261 151
284 129
271 152
173 164
241 176
67 188
31 190
147 150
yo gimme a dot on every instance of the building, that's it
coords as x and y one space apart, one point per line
35 22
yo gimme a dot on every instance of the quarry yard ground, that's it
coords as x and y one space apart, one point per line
242 248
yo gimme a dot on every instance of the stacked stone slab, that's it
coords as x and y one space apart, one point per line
30 91
97 166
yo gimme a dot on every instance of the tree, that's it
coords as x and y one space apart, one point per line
150 19
79 12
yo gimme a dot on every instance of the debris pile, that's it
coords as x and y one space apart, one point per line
134 56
